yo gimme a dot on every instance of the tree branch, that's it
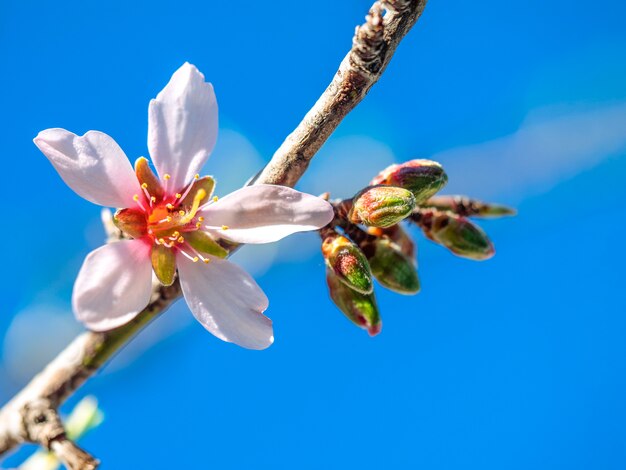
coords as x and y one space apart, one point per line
372 48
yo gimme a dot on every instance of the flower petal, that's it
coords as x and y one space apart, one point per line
93 165
113 285
182 126
226 301
266 213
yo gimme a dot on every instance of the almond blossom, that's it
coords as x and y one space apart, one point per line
172 221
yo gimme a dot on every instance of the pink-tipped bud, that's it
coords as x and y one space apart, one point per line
348 263
458 234
392 268
381 206
359 308
422 177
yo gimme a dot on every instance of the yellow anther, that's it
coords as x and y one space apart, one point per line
166 176
169 206
162 241
168 218
136 197
178 195
206 260
195 259
181 213
180 239
196 176
144 185
215 198
201 219
198 225
224 227
176 234
153 199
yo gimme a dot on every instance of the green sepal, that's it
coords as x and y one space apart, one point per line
146 175
164 264
207 183
393 269
359 308
348 263
131 221
202 242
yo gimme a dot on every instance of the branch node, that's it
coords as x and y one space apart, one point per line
368 44
41 423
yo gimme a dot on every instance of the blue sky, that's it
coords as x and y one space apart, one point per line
517 362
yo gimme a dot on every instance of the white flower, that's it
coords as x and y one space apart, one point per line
172 219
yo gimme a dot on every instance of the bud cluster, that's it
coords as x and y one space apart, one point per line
366 240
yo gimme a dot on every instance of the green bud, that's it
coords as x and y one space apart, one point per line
393 269
466 207
460 236
361 309
422 177
398 236
164 264
381 206
348 263
132 222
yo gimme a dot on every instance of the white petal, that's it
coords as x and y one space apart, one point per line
226 301
266 213
113 285
93 165
182 126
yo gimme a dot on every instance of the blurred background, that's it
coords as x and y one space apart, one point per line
518 362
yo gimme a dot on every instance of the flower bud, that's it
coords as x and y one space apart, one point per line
381 206
466 207
393 269
460 236
348 263
422 177
361 309
398 236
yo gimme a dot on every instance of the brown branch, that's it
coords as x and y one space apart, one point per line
373 46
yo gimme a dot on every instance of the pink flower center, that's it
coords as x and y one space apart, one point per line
168 220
